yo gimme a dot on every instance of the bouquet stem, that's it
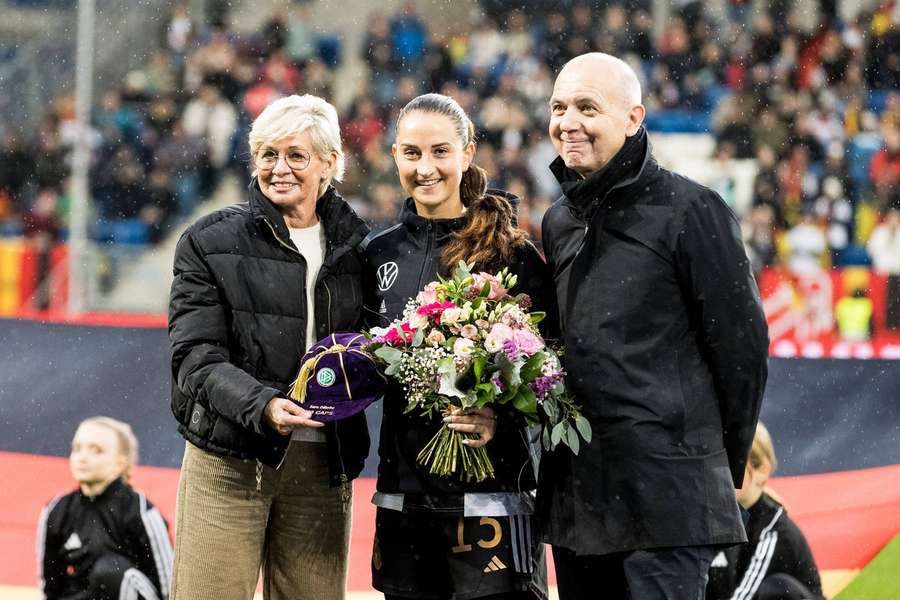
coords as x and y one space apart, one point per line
445 453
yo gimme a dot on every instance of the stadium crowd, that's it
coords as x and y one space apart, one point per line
815 106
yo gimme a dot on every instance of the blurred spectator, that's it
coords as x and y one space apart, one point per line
16 170
721 173
486 45
853 316
378 53
884 243
52 168
409 37
184 159
216 61
160 74
759 237
835 214
825 122
884 247
884 168
301 37
274 34
734 118
42 226
806 247
179 31
362 125
212 119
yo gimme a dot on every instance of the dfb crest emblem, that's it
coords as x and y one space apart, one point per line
387 275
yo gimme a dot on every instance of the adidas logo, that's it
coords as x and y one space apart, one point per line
73 543
719 560
383 308
494 565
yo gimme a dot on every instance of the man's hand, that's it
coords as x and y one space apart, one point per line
482 421
284 416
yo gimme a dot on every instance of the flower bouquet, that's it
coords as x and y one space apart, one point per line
466 342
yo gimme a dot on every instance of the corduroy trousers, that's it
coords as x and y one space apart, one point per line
235 518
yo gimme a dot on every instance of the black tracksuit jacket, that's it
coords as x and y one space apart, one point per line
76 530
399 262
776 546
237 326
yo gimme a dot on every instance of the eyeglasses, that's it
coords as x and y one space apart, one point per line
295 159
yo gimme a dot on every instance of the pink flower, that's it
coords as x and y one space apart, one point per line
497 291
527 342
394 338
428 295
434 309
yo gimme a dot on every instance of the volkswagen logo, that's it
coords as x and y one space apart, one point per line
387 275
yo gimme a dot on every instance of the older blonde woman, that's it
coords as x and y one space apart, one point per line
263 485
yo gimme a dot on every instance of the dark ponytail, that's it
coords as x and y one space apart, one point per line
489 237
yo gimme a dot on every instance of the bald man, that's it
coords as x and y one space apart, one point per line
666 347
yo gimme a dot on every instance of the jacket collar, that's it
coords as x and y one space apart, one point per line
418 226
341 224
444 227
623 169
111 490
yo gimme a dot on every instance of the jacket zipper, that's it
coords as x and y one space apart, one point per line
346 493
328 314
259 464
428 241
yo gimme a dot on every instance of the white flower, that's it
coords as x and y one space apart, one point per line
463 348
379 331
450 316
417 321
499 334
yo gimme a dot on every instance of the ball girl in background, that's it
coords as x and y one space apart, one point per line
776 563
103 541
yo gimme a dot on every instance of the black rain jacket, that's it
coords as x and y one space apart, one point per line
665 347
237 326
399 263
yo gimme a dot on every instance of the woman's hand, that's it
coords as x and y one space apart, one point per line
284 416
481 421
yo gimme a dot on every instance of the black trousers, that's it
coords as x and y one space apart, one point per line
658 574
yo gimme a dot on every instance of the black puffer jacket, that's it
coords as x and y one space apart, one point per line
399 263
237 325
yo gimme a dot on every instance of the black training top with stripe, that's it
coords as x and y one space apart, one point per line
776 546
75 531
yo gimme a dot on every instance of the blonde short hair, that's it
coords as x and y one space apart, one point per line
128 443
762 451
292 116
